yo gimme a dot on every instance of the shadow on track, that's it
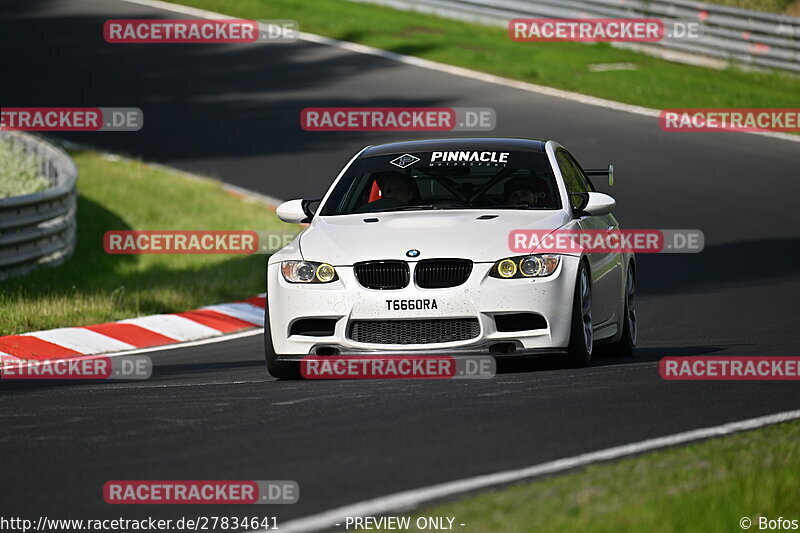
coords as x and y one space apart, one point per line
718 266
603 357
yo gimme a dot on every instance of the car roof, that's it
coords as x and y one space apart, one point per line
506 144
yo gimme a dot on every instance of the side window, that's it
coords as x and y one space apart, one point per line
582 175
573 176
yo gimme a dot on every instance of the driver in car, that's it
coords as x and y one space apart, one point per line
397 190
521 191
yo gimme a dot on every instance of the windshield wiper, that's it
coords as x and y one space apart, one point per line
404 208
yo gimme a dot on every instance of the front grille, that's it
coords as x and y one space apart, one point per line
382 274
414 331
442 273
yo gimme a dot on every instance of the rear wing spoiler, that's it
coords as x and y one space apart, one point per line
602 172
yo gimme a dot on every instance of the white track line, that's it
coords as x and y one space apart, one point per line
404 501
449 69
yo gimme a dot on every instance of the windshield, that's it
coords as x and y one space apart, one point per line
466 179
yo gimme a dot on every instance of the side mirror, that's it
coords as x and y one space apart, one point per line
599 204
292 211
297 211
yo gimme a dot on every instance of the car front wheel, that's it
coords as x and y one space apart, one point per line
630 328
581 339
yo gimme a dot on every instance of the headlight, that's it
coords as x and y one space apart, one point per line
326 273
506 268
308 272
525 266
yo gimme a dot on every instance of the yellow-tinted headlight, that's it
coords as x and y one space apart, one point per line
308 272
525 266
507 268
325 272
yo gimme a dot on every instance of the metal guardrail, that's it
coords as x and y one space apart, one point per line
727 33
39 229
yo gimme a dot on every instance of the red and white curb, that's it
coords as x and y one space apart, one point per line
136 333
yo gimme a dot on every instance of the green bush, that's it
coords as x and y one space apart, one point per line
19 171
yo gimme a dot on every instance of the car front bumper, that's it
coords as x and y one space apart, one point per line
481 297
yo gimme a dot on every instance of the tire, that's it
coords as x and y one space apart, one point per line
581 338
626 345
278 369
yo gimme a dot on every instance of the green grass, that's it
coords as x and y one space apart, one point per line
94 286
19 171
706 487
656 83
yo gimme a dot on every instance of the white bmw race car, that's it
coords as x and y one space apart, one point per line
408 254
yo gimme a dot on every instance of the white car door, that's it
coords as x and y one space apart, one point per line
606 267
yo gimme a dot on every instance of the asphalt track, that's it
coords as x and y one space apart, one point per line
212 412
